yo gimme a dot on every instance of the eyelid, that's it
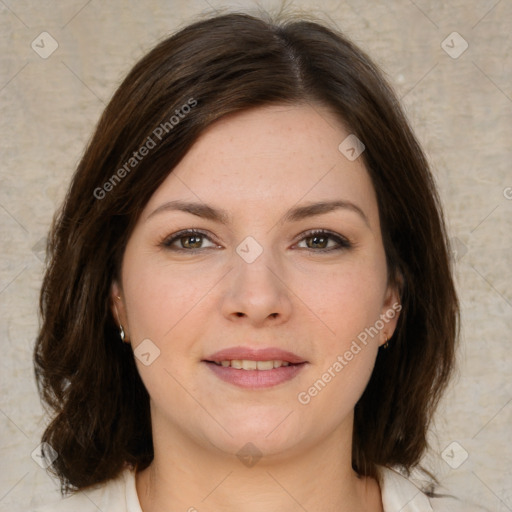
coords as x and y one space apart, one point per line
173 237
342 241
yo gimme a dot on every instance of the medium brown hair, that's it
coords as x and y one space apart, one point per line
222 65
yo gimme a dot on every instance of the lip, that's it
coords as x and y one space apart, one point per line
255 379
251 354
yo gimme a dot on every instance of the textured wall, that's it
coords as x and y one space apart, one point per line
460 106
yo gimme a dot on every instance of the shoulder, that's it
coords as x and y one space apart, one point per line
400 495
118 495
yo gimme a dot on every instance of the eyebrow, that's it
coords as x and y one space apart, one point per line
198 209
293 215
322 207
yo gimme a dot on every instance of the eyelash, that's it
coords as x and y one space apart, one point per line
343 243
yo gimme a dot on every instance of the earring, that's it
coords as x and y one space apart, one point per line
386 344
121 330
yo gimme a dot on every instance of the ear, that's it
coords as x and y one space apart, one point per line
391 308
118 309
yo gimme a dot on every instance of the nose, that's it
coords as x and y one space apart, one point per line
257 292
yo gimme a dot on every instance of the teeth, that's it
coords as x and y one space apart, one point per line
264 365
245 364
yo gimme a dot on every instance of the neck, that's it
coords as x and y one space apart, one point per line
186 476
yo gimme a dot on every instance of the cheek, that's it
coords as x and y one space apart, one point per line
163 306
346 300
159 298
167 306
349 305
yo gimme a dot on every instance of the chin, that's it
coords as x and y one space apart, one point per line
265 434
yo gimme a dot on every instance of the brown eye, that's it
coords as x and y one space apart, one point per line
191 241
317 242
188 240
324 241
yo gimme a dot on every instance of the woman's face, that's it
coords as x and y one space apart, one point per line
263 324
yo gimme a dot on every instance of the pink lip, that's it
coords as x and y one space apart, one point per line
255 379
261 354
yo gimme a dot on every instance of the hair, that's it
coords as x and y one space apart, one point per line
218 66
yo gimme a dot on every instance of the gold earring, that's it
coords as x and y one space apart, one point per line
386 344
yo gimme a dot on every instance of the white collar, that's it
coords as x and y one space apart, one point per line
400 494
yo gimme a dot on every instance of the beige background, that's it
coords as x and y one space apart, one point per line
460 107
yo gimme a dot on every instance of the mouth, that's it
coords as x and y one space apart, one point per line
255 368
249 364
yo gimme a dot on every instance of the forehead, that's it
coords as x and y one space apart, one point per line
270 157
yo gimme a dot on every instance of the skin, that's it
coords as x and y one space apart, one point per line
256 165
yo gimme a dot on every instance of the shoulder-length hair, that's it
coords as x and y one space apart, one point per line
214 67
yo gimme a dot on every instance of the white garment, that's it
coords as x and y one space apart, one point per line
120 495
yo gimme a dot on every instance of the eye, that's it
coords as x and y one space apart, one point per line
188 240
323 241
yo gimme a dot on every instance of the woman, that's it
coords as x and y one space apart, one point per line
249 302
